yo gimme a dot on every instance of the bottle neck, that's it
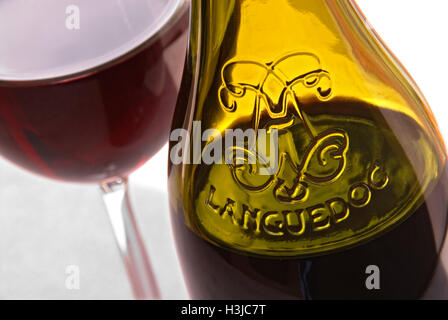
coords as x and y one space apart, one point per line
259 24
326 32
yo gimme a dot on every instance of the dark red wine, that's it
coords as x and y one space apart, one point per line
407 257
92 125
407 254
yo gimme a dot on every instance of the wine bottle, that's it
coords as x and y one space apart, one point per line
329 177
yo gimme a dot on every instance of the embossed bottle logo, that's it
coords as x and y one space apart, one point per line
274 91
327 177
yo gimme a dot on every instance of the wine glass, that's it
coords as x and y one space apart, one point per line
87 95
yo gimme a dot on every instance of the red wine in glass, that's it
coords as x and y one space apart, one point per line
87 94
90 126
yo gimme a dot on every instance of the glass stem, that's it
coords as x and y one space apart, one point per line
135 258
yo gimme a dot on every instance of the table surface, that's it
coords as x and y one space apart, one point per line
46 226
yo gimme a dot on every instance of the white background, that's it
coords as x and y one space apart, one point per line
46 226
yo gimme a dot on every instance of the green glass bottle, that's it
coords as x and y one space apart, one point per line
348 198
